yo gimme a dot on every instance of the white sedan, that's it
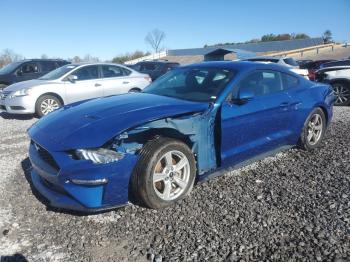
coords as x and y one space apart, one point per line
285 61
68 84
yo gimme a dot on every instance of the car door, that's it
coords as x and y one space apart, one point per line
258 125
27 71
297 92
86 84
115 80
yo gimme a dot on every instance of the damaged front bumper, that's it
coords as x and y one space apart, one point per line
78 184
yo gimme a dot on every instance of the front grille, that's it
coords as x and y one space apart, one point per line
17 107
46 156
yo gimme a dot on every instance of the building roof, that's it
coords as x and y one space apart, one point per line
261 47
241 54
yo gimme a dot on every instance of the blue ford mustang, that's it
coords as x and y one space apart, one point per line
190 124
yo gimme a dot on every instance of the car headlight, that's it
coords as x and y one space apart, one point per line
22 92
99 156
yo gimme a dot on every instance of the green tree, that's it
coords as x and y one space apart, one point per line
327 36
301 36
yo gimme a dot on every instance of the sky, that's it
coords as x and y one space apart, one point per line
106 28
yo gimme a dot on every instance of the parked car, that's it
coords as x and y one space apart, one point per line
303 62
285 61
27 70
187 126
339 78
313 66
69 84
154 69
345 62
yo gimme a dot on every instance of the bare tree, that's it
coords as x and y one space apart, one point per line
155 38
90 58
44 56
76 59
7 56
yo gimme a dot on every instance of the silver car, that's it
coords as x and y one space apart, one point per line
69 84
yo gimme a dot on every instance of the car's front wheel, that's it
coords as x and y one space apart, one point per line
164 173
342 93
46 104
314 130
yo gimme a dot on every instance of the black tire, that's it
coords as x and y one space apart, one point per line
135 90
342 93
44 98
304 142
142 185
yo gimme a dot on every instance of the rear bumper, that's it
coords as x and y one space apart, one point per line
18 105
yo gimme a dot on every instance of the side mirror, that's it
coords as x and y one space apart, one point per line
243 97
19 72
246 95
72 78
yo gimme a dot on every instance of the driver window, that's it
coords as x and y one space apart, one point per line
86 73
29 68
261 83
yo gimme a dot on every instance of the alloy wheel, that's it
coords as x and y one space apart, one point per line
49 105
315 129
342 94
171 175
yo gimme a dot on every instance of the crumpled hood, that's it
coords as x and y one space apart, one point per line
26 84
92 123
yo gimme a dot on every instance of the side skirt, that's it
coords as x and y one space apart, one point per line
223 170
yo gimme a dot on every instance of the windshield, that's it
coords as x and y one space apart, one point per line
57 73
194 84
9 68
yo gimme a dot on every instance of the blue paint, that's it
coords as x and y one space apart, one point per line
221 134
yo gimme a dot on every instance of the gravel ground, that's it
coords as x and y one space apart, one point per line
294 206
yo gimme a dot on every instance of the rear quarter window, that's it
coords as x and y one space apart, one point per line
289 81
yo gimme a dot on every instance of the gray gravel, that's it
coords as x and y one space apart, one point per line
294 206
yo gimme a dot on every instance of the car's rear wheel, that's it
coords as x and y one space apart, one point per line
165 172
313 130
342 93
47 104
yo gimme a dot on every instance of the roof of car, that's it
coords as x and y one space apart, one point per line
40 60
158 61
97 63
241 66
264 58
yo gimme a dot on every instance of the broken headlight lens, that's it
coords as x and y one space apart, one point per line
99 156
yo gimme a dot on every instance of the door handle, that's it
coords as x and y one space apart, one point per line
97 84
284 104
125 82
